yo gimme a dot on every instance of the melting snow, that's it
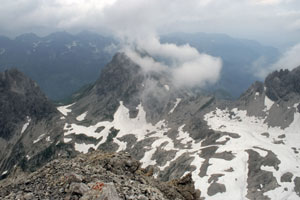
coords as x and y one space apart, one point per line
268 103
82 116
48 139
67 140
39 138
176 104
184 137
5 172
138 127
84 148
250 129
65 109
256 95
26 125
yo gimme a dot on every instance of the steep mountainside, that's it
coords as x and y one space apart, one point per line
60 63
246 149
29 124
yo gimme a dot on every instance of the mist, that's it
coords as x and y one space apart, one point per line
137 24
185 66
290 59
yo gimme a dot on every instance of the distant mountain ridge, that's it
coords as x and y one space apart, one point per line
60 63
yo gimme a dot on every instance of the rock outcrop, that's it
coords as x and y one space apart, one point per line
96 175
30 124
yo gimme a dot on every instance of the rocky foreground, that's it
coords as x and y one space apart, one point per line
96 175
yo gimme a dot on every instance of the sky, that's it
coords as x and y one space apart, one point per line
272 22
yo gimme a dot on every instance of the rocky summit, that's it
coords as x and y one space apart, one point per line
96 175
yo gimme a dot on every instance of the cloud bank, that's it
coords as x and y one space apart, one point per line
268 21
289 60
186 66
139 22
136 23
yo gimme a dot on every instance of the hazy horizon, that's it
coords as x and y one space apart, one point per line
270 22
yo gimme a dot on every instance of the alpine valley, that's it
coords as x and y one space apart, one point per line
194 145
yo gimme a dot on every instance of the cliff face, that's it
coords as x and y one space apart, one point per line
20 99
283 84
29 124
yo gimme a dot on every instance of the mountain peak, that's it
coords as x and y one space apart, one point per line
20 97
28 37
282 84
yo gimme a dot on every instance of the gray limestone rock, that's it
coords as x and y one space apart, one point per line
286 177
216 188
297 185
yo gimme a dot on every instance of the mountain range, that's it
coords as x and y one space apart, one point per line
62 63
242 149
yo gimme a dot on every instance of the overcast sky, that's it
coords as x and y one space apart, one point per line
274 22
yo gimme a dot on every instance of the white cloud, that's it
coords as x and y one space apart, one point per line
289 60
252 19
185 66
268 2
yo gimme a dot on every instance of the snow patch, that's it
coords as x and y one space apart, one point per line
65 109
256 95
268 103
84 148
39 138
82 116
176 104
250 128
4 173
138 127
184 137
67 140
25 126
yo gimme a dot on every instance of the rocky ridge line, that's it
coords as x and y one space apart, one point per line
95 175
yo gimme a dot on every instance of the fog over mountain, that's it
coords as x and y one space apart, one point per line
139 23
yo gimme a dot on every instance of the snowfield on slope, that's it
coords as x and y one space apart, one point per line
248 128
251 130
